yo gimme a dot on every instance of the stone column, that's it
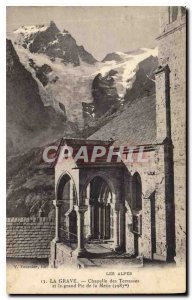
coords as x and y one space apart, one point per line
71 195
53 257
146 229
66 216
116 228
57 205
100 221
163 119
164 213
92 219
89 221
129 236
107 221
80 251
122 213
104 221
87 201
161 234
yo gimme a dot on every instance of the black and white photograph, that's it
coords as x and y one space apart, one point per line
96 149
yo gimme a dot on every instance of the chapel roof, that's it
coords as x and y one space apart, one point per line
135 125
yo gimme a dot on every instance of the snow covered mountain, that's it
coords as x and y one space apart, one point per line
29 121
126 65
70 79
56 88
62 69
64 87
48 39
122 77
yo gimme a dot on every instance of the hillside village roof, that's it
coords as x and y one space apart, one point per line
135 125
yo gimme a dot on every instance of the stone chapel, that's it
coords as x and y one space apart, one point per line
133 209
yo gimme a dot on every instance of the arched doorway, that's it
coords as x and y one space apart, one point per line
66 193
99 217
136 192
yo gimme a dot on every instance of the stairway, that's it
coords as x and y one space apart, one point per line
102 255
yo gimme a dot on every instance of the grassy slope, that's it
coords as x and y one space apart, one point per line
30 184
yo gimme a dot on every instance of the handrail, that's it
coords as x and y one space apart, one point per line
68 232
71 233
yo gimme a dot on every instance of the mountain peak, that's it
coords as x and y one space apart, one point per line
65 31
112 56
53 25
50 41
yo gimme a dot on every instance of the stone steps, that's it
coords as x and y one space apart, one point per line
85 263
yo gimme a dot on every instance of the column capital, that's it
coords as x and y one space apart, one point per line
57 202
86 200
145 198
80 209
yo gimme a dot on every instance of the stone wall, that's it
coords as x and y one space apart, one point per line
61 254
29 237
172 51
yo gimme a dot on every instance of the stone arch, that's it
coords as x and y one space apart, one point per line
67 195
101 195
63 179
105 177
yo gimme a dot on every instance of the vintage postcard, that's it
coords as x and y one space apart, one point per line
96 150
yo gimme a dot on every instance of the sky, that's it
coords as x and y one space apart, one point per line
100 29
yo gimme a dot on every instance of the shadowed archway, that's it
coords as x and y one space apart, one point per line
66 194
99 216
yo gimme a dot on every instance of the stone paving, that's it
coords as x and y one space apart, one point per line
102 255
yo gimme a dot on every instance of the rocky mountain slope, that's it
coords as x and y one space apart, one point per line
85 87
56 88
49 40
30 124
29 121
122 78
30 184
58 83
